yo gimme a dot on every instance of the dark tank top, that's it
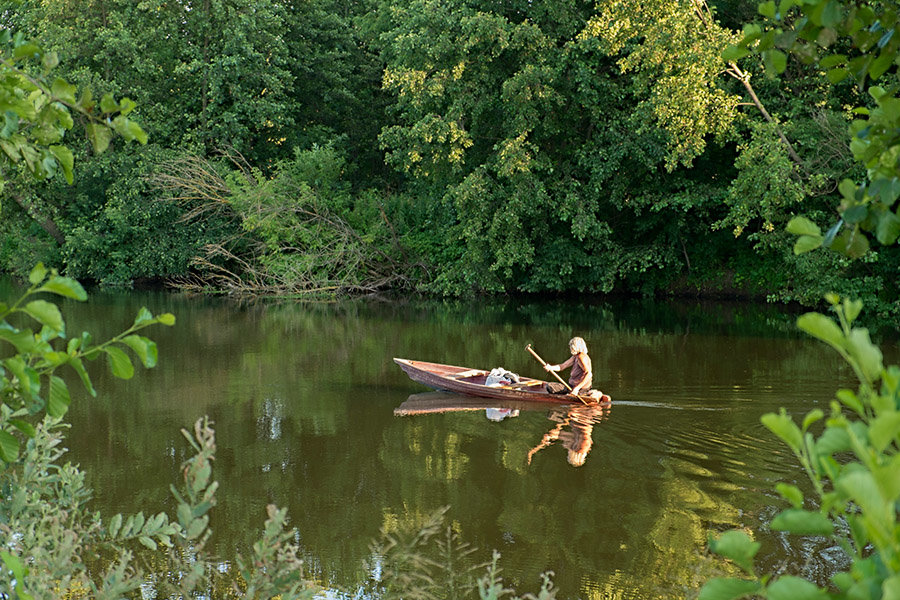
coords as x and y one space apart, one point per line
581 366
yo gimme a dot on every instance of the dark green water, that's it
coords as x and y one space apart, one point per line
303 398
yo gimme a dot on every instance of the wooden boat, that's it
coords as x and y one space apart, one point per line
471 382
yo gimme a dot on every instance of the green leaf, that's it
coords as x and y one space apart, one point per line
99 136
775 60
23 426
867 354
821 327
856 214
166 319
785 428
837 75
22 340
880 65
738 547
119 363
46 313
802 522
811 417
767 9
861 487
832 60
891 588
789 587
108 104
58 403
146 541
722 588
197 527
851 309
734 53
834 439
791 493
27 50
27 376
64 286
806 243
114 525
9 447
37 274
78 366
883 430
144 348
888 229
143 317
63 91
803 226
66 160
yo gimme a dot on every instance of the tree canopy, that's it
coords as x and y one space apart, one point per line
468 147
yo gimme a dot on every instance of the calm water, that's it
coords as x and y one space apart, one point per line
312 414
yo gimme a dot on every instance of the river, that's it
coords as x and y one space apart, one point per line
306 402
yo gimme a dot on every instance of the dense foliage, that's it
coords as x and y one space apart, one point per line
470 146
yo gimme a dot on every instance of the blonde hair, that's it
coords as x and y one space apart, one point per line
577 346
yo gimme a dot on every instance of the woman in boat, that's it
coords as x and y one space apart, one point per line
581 377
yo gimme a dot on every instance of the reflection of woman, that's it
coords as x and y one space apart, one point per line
577 439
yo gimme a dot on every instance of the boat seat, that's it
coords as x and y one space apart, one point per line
527 383
469 373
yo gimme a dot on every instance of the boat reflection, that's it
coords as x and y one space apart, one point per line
573 423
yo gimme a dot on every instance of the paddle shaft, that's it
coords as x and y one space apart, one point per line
561 380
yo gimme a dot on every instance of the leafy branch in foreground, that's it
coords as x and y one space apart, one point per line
855 41
37 112
854 466
29 385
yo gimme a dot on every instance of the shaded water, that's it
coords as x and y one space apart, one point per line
304 398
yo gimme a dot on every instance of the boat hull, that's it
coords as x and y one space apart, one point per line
471 382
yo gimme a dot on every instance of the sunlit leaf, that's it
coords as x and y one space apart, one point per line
9 447
811 417
64 286
791 493
22 340
144 348
66 160
119 363
785 428
46 313
59 399
789 587
114 525
802 522
803 226
736 546
78 366
888 229
822 328
727 588
144 316
806 243
23 426
867 354
37 274
166 319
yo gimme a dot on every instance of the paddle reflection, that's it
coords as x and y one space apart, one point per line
573 423
573 429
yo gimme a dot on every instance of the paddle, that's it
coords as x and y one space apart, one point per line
544 363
